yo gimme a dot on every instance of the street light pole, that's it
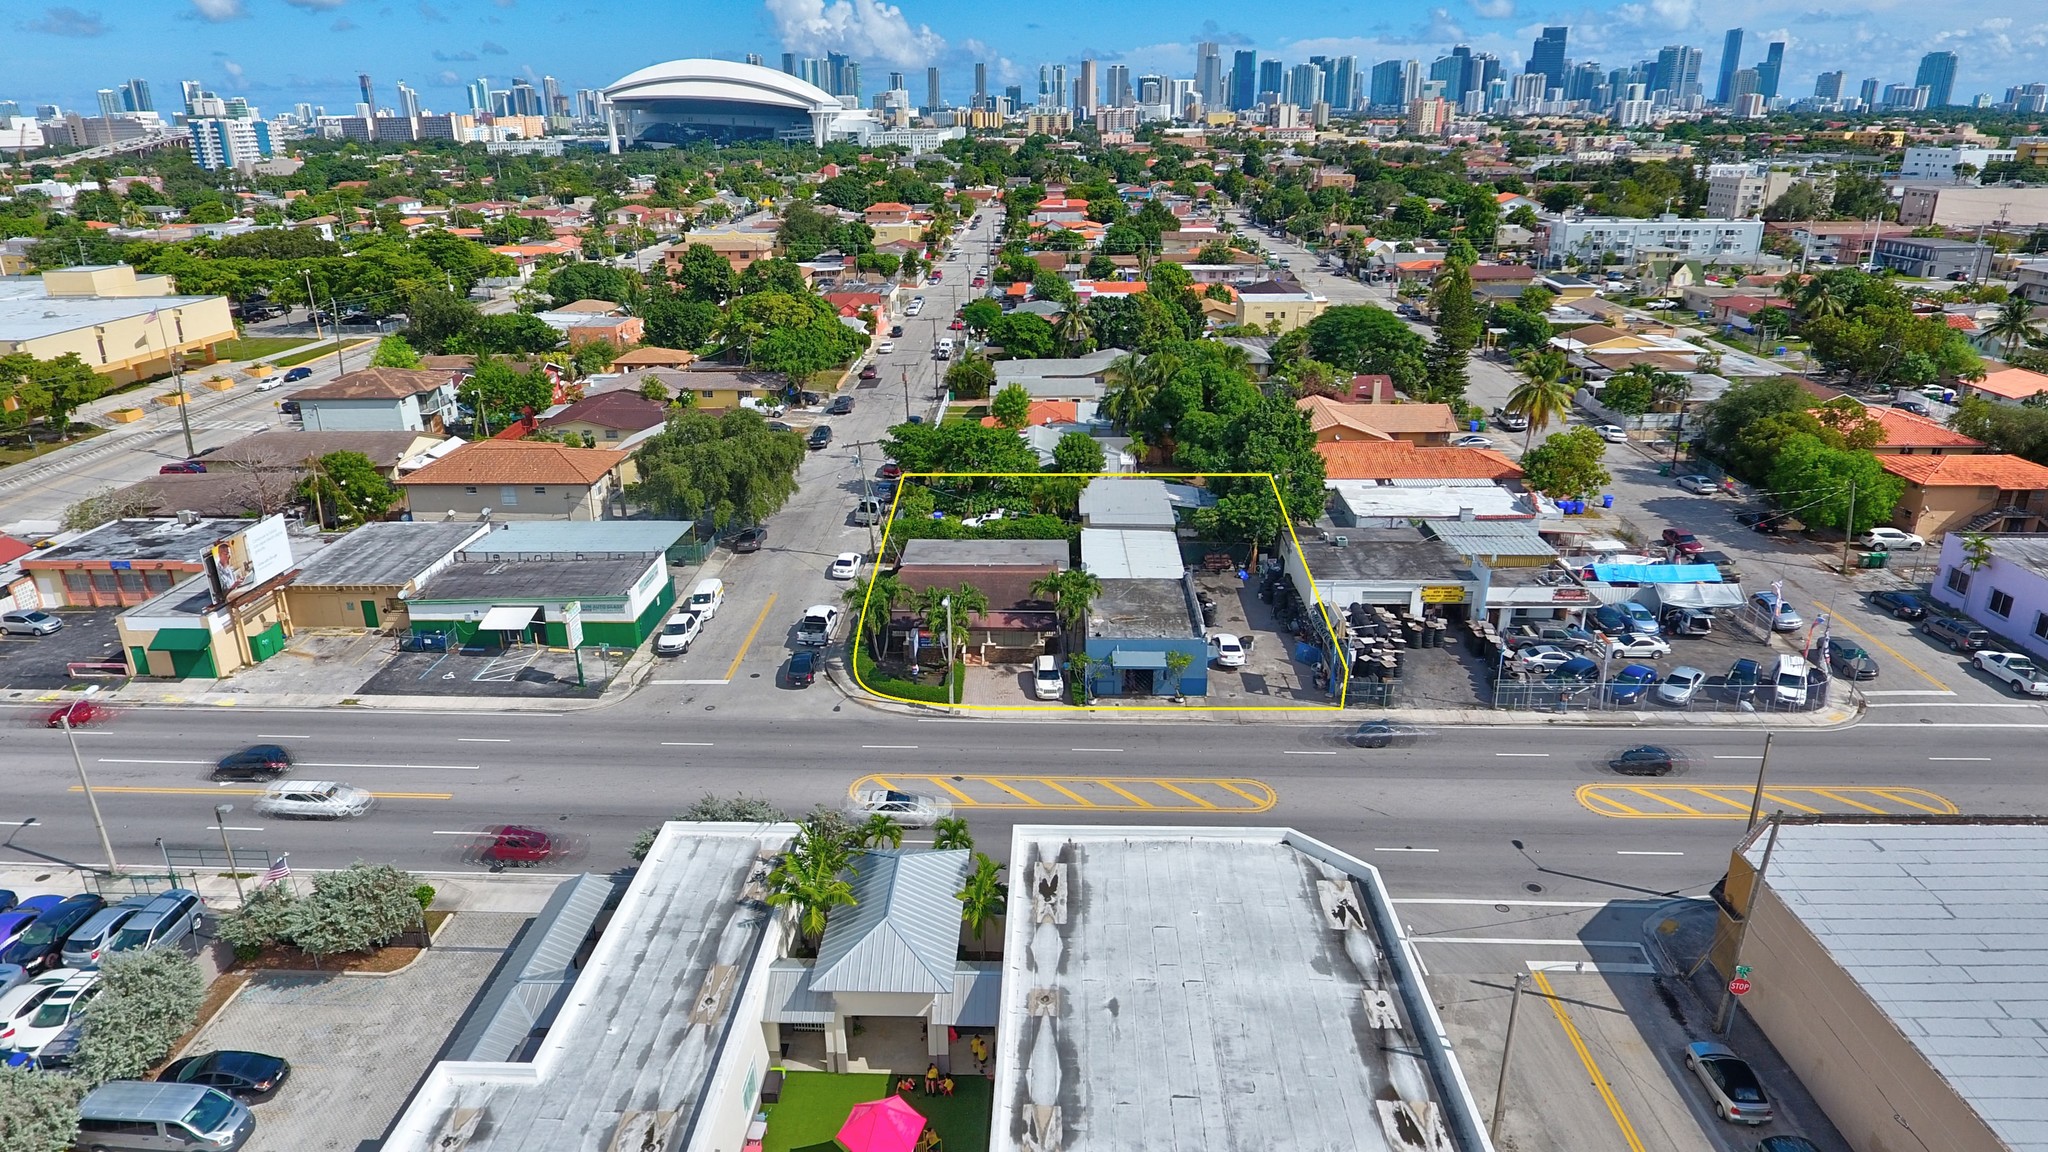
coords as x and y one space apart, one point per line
1500 1090
220 820
91 801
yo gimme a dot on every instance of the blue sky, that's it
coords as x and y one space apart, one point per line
277 52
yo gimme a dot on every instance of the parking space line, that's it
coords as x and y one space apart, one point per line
1778 798
1841 799
1887 649
734 670
1076 797
1126 795
1564 1020
1184 792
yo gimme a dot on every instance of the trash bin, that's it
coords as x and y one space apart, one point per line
1664 469
1607 501
1876 559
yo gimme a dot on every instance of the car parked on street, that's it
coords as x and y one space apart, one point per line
1613 434
1959 635
250 1077
1732 1086
314 800
1847 660
845 566
803 667
1510 421
2013 669
29 622
1472 441
1885 539
748 539
821 436
1903 605
678 633
840 406
910 809
1699 485
183 468
1679 621
817 624
256 762
707 598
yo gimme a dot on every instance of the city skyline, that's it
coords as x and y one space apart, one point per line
439 49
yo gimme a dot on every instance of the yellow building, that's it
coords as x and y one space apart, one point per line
1269 302
126 326
230 617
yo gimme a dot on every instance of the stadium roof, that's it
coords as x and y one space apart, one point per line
724 80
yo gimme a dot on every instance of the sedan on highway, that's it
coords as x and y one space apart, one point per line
748 539
1903 605
314 800
270 382
845 566
298 374
1680 685
256 762
1732 1086
2013 669
885 347
910 809
1384 734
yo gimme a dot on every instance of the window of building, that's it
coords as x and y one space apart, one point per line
2000 603
76 584
469 489
508 496
131 583
611 433
2041 625
539 490
105 582
1958 581
157 581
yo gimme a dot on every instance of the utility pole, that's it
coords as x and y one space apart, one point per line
178 370
1756 798
220 821
1756 886
906 393
312 306
91 801
1849 528
340 364
1500 1090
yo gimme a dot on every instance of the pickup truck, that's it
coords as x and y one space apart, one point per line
816 627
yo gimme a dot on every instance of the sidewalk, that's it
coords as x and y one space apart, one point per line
526 893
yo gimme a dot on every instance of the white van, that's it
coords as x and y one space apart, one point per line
146 1116
1045 678
706 597
945 351
1788 681
868 511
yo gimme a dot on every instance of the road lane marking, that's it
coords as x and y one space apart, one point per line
1774 797
1188 794
101 789
1305 752
1626 852
1632 801
1126 795
1564 1020
1904 692
1178 791
115 760
1891 794
1026 797
1744 756
958 795
1838 797
280 736
230 828
1094 749
1589 968
1894 653
734 670
1076 797
1536 754
1944 759
688 744
1407 849
450 767
890 747
675 682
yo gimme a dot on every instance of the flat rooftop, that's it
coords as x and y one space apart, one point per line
1942 927
26 316
1131 553
1383 554
1142 609
163 541
643 1027
1213 988
515 581
577 539
992 553
386 553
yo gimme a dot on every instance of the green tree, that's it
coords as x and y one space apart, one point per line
593 356
1568 465
507 334
52 389
1177 663
1077 453
675 322
1361 338
439 320
711 808
394 352
959 446
808 879
983 897
879 830
2015 326
1628 393
500 394
1099 267
2016 428
980 315
349 489
38 1111
1011 407
949 832
587 281
361 907
1024 336
970 376
1072 591
147 1000
1825 477
265 918
873 604
720 469
1458 327
1543 396
1047 284
705 276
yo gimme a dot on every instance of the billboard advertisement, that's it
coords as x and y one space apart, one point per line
249 558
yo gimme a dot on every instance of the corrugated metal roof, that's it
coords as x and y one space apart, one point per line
530 988
903 934
976 998
1110 502
584 537
791 999
1491 537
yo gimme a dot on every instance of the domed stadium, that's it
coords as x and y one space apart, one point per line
685 101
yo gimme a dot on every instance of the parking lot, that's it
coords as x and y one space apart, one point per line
1271 674
524 670
37 663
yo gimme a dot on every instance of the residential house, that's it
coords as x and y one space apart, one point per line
648 356
365 579
380 399
1983 492
1501 281
1018 622
2008 385
1419 424
1391 461
521 480
608 419
1908 435
1278 306
740 247
718 387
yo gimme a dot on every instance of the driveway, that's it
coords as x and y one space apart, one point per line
358 1044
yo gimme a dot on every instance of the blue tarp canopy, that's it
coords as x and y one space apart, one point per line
1657 573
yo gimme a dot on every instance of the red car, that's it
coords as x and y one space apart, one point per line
182 468
517 846
891 470
82 713
980 281
869 373
958 326
1683 543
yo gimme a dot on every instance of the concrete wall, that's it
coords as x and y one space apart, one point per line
2028 589
362 415
342 607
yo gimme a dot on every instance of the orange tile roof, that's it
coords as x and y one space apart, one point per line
1045 412
1995 470
1902 429
1115 287
1400 460
2012 383
519 462
1377 421
1960 323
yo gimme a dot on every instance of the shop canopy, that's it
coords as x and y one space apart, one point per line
1699 595
508 617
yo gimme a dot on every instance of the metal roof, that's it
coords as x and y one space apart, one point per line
1941 927
386 553
1126 502
573 539
527 581
1004 553
976 998
791 999
527 992
903 932
1491 537
1131 554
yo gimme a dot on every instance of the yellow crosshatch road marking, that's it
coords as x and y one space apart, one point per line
1090 793
1731 801
104 788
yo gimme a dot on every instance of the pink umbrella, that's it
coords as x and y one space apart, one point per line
885 1125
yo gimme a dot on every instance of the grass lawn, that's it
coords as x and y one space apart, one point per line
815 1105
16 453
966 413
257 347
326 348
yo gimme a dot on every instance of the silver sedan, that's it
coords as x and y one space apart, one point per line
314 800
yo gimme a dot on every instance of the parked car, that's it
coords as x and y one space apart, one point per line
840 406
1682 543
314 800
889 471
40 946
870 372
297 374
1688 621
1613 434
1384 734
79 714
1786 1144
1046 681
1644 760
910 809
16 922
18 1005
748 539
1883 539
1769 523
165 922
845 566
1563 636
707 598
1903 605
1473 441
896 331
256 762
1640 618
1631 684
1847 660
516 846
288 407
1680 685
1960 635
29 622
1577 670
803 667
1638 646
1699 485
1610 619
65 1004
250 1077
1778 611
817 625
1913 406
821 436
1722 562
678 633
1544 657
1510 421
2015 670
1743 678
1732 1087
182 468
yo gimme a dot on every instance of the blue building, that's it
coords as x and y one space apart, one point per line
228 142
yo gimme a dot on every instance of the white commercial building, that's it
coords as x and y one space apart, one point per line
1592 237
1941 163
219 143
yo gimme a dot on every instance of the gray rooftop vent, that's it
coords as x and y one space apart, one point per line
644 1131
188 518
1467 514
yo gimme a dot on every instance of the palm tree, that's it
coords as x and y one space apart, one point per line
983 897
1071 591
2015 325
1670 388
1822 296
1129 393
1074 331
966 600
874 604
808 879
1544 396
950 832
878 829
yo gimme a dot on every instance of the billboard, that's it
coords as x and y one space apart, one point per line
247 559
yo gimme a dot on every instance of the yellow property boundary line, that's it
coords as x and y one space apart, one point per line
1315 597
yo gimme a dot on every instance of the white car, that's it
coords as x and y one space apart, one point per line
845 566
1613 434
1472 442
1226 650
1699 485
1878 539
1637 646
1660 305
988 517
63 1003
818 623
1680 685
2015 669
274 380
1542 657
885 347
314 800
678 634
910 809
20 1002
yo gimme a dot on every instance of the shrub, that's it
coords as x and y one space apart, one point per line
424 893
735 809
38 1112
359 908
264 918
147 1000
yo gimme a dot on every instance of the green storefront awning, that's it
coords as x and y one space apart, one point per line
181 640
1137 658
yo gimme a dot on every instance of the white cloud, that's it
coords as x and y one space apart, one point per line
216 11
316 5
69 22
865 29
233 70
1494 9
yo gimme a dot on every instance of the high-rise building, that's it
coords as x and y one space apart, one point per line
1304 85
1827 87
931 92
1871 91
1677 72
789 63
551 97
1770 70
222 143
524 99
1342 87
1548 56
754 58
368 89
1746 82
408 101
110 104
1014 94
1091 93
1059 86
1582 82
479 96
1119 94
135 96
1387 89
1731 63
189 90
980 84
1272 77
1461 71
1209 74
1938 75
1244 80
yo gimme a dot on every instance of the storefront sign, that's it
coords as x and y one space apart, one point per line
1570 596
1443 594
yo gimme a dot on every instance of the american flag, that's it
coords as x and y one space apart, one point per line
278 871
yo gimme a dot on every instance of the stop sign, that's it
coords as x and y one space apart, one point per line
1738 985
